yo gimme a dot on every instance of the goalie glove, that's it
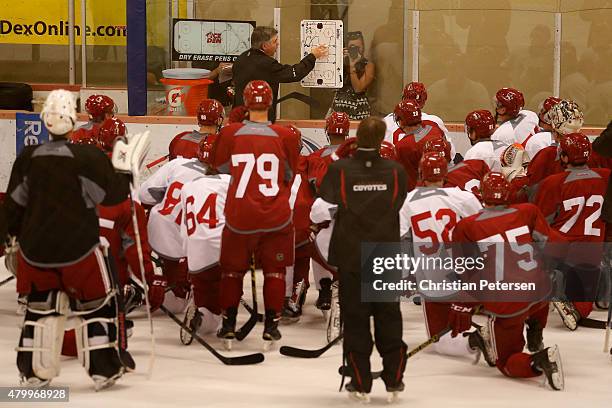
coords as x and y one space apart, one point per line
514 161
10 255
129 153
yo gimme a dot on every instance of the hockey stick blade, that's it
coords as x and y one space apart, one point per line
302 353
248 326
592 323
7 280
240 360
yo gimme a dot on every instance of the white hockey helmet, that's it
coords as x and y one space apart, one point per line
565 117
59 112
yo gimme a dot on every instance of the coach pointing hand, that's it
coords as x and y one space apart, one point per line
258 63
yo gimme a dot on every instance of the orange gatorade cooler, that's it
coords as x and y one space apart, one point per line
185 88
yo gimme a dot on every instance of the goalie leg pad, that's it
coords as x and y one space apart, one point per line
42 334
97 348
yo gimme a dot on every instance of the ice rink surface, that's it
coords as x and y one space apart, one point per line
189 376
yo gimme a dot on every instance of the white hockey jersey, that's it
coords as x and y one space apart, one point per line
427 219
163 191
202 203
487 150
517 130
537 142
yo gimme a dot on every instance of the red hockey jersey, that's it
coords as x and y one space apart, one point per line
409 148
262 160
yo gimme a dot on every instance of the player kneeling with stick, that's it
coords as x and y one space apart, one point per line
51 208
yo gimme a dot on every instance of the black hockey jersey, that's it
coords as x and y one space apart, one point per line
51 200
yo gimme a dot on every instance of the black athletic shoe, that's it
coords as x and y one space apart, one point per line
325 294
535 341
548 361
228 327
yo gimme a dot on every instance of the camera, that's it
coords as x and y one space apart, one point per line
353 51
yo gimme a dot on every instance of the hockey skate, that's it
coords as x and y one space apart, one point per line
534 336
358 396
227 332
568 313
549 362
271 333
292 309
334 323
394 392
480 341
106 367
193 320
325 297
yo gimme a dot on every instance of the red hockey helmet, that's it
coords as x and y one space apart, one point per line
433 167
440 146
337 124
480 121
98 106
238 114
495 189
415 91
511 99
577 148
407 113
110 130
387 151
257 95
210 113
545 107
205 148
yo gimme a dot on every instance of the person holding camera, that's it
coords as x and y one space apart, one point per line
358 76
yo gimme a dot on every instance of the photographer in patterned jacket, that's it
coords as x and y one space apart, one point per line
51 208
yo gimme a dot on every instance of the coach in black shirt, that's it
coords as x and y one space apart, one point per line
369 192
258 63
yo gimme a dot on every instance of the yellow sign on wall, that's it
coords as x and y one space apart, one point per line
46 22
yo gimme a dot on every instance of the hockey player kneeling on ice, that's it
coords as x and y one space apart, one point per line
202 203
163 191
561 199
262 161
500 223
366 215
427 219
479 126
51 209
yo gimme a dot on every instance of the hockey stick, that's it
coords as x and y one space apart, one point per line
144 281
248 326
122 342
302 353
249 309
156 162
7 280
240 360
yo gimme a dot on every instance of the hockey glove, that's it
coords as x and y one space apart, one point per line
459 318
157 291
514 161
129 153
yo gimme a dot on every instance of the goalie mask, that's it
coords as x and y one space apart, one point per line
566 117
59 112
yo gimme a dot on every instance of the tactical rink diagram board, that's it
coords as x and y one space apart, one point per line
210 40
328 71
